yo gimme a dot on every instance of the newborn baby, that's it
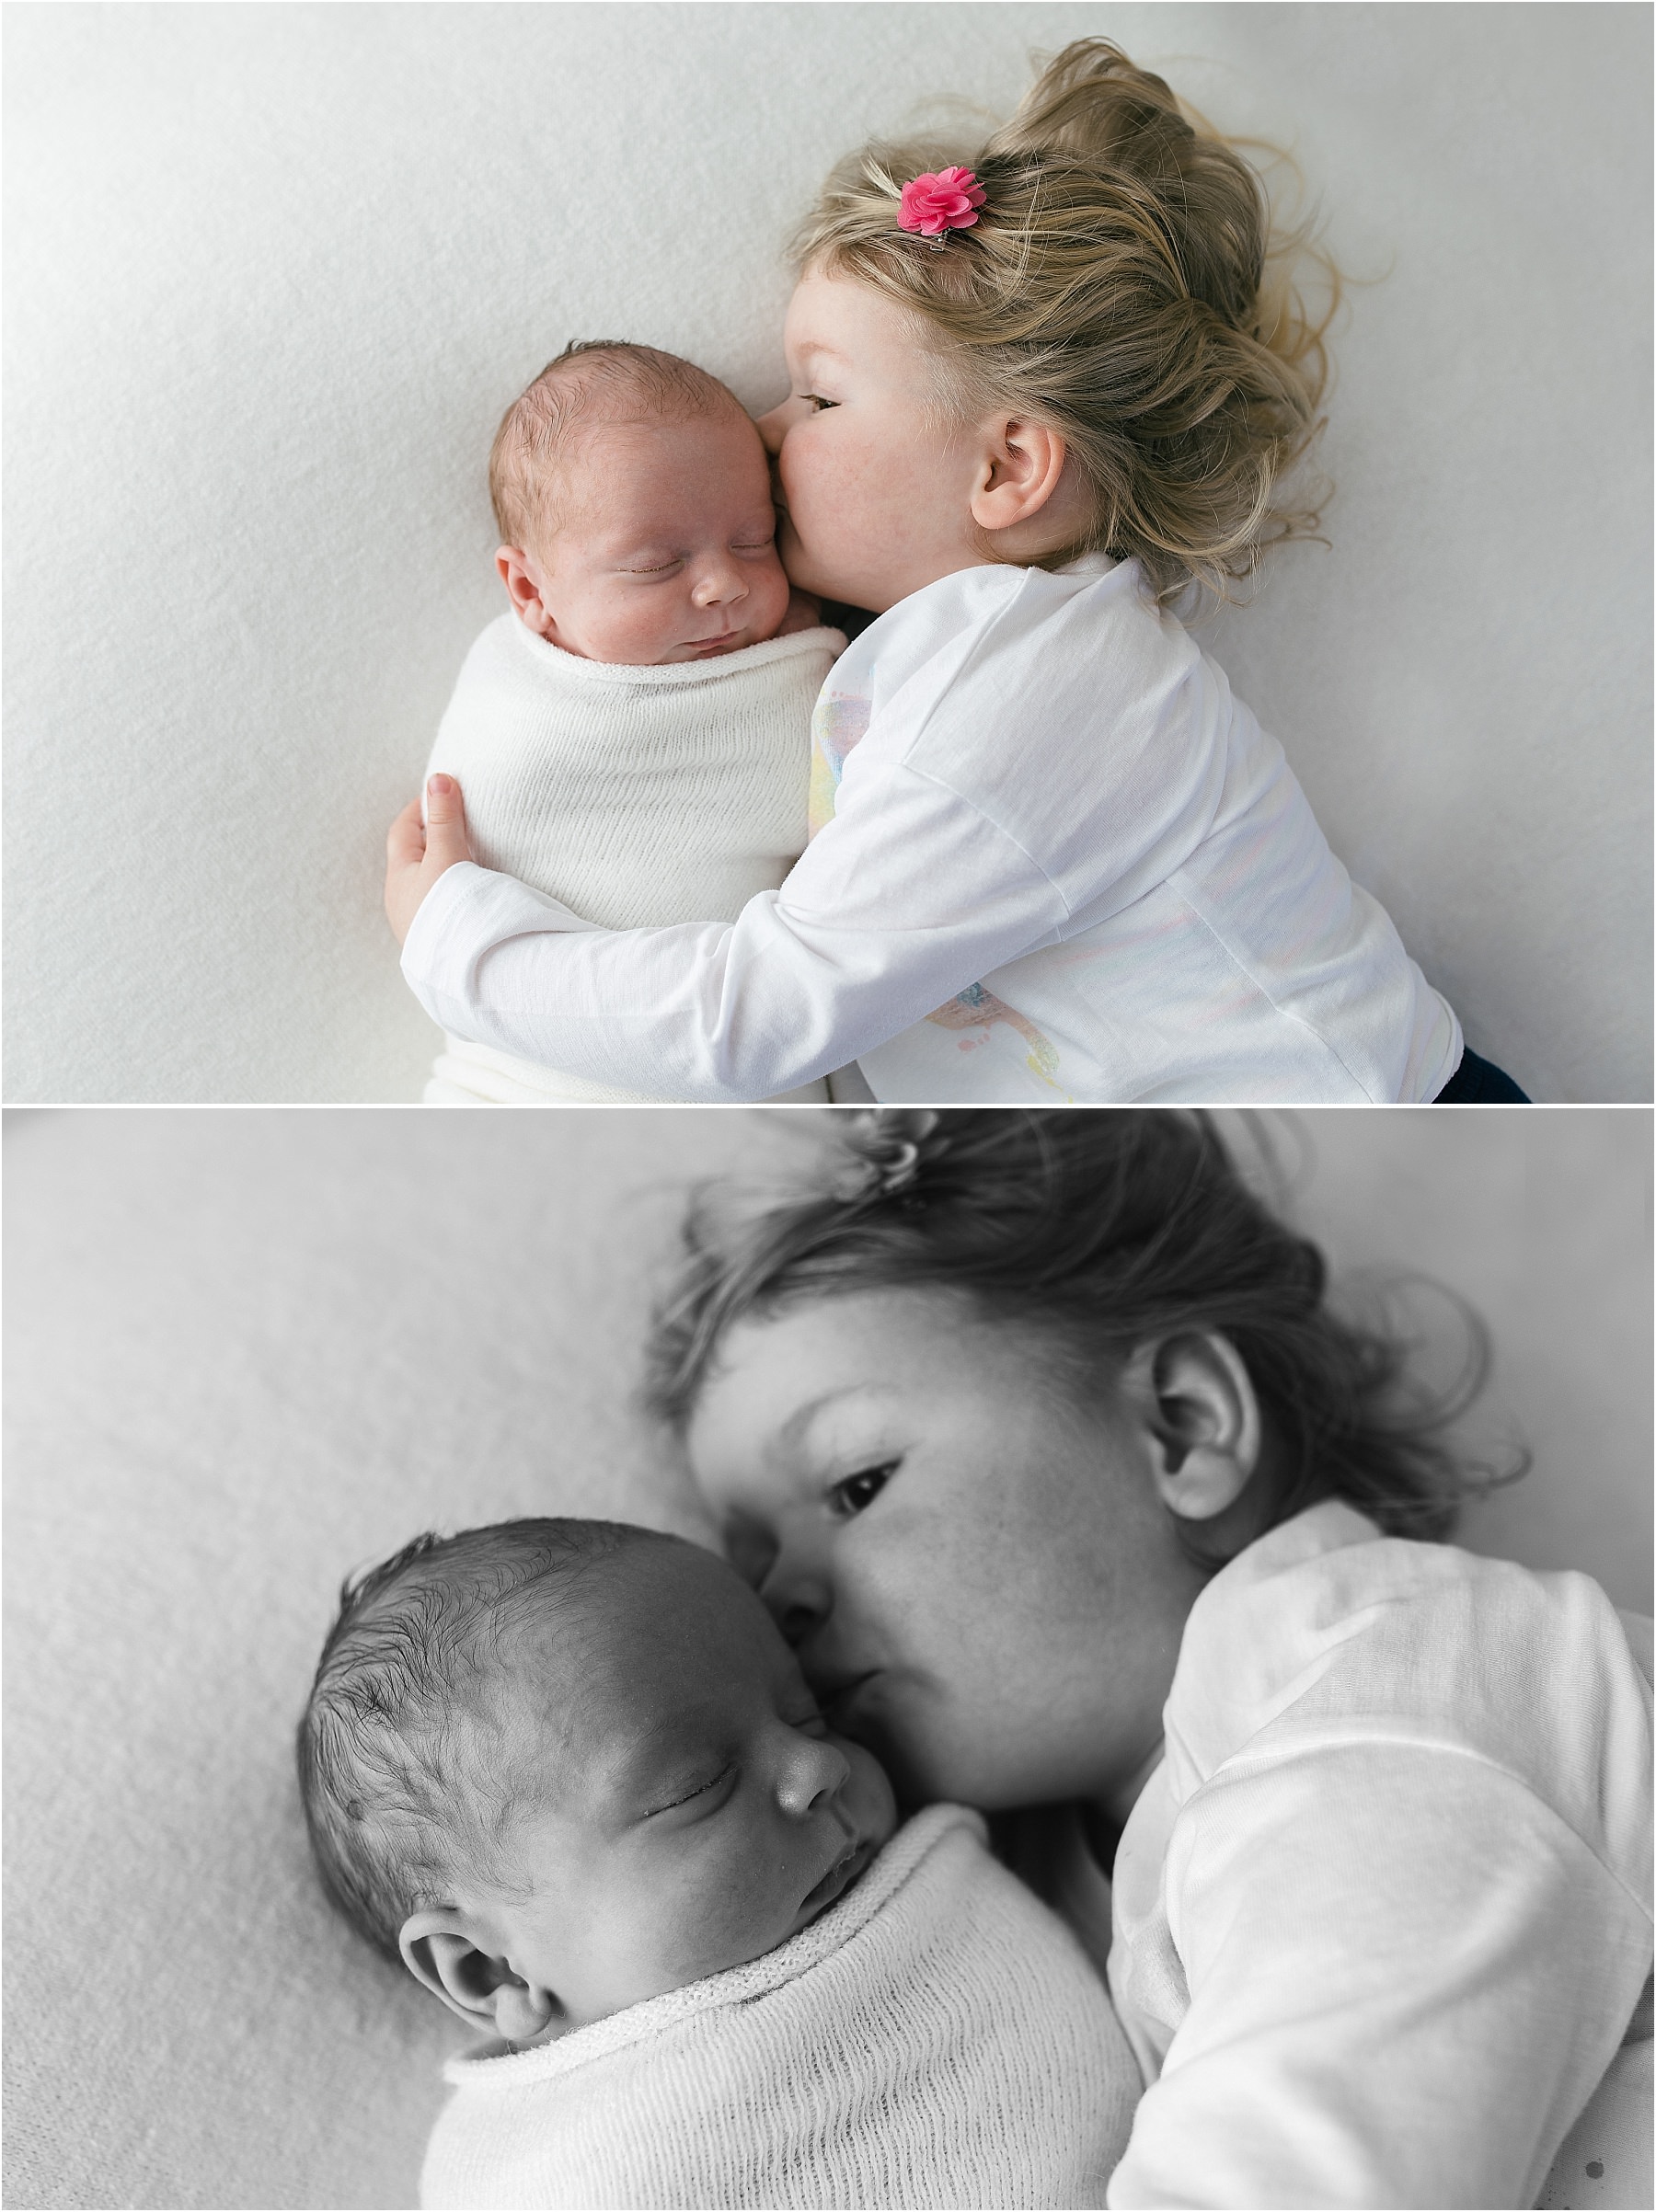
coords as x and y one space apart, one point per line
634 739
571 1773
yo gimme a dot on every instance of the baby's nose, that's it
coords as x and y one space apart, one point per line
717 586
812 1772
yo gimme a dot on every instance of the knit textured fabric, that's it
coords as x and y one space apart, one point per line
637 797
937 2038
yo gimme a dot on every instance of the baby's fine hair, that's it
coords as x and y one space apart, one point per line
1123 286
1092 1232
597 376
394 1796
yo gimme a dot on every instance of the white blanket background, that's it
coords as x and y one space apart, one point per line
274 272
250 1351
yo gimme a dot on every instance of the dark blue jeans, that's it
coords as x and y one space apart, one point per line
1479 1082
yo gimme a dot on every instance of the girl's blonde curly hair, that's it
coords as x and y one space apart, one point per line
1122 285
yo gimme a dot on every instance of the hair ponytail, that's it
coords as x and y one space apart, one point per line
1121 285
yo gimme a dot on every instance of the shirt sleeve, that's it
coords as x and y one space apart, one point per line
858 944
1406 1974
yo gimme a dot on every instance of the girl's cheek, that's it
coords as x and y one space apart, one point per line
808 462
821 505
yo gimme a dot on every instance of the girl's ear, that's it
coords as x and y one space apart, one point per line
438 1949
1019 472
1202 1420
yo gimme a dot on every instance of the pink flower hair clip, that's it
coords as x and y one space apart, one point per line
935 205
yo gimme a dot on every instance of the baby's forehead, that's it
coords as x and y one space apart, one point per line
633 1637
628 1673
619 436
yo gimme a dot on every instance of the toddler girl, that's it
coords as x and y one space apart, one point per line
633 738
1038 1438
568 1772
1035 400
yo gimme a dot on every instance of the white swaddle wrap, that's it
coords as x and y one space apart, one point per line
937 2038
638 796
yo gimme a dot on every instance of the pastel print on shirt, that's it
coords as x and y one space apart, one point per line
839 721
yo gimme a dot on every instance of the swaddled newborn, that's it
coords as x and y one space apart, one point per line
634 739
572 1774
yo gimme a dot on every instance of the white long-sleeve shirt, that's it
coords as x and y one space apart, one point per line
1062 861
1382 1916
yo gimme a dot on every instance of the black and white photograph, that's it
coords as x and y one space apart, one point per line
888 1657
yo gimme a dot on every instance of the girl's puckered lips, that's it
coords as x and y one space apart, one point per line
838 1694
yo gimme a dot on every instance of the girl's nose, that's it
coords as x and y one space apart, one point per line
812 1773
797 1596
773 427
750 1548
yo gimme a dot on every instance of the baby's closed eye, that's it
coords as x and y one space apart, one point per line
686 1792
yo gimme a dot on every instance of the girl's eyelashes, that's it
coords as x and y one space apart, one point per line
815 400
854 1493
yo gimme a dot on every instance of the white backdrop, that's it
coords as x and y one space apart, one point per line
273 272
250 1351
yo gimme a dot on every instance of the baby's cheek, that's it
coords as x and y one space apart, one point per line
640 631
772 599
872 1802
742 1899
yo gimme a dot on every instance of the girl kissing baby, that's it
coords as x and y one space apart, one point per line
1040 397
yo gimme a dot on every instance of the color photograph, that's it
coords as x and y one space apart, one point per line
1195 649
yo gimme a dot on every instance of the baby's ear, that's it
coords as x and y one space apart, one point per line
441 1951
522 577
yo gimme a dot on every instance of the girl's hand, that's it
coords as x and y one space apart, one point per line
417 853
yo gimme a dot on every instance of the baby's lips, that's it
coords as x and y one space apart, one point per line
834 1881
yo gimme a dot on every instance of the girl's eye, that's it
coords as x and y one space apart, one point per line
858 1491
814 399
